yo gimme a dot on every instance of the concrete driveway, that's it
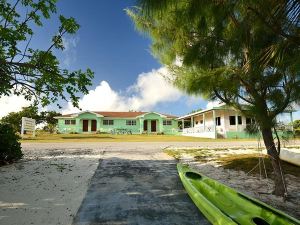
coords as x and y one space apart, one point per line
137 188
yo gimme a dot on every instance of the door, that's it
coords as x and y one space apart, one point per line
145 125
85 125
94 125
153 125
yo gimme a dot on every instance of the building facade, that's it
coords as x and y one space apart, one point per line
117 122
218 122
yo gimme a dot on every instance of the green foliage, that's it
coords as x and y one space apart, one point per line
296 124
234 51
48 117
10 147
15 118
34 73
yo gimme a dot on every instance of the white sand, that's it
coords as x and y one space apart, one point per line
44 190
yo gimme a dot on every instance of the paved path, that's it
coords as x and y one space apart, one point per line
131 187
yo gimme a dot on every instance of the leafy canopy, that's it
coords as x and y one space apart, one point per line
34 73
235 51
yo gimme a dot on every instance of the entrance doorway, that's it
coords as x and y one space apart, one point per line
145 125
85 125
153 125
94 125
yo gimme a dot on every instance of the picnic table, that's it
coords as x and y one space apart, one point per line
121 131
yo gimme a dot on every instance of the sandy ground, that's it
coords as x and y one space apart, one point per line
255 186
50 184
44 188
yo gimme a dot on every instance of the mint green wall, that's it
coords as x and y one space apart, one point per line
62 128
239 134
119 123
243 134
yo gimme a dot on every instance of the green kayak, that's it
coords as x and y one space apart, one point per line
224 205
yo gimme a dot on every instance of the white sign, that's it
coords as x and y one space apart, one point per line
28 124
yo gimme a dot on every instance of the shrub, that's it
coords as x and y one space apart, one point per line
10 147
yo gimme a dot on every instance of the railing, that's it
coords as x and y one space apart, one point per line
193 130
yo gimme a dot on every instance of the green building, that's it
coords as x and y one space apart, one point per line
117 122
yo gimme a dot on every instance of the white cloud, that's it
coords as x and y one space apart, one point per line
149 90
69 52
152 88
212 104
12 103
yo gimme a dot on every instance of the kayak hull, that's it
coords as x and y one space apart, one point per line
222 205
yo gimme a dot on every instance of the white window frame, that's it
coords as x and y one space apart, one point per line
167 122
130 122
70 122
108 122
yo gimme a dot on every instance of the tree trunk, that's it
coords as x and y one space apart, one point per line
280 188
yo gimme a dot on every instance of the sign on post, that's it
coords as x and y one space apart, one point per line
28 124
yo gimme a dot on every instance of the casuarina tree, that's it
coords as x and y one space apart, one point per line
244 53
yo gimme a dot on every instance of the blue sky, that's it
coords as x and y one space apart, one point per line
108 43
127 76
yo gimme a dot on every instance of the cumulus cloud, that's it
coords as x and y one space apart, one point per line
149 90
212 104
12 103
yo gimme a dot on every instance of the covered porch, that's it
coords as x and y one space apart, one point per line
199 124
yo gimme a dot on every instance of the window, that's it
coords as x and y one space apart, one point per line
167 122
218 121
249 120
68 122
130 122
232 120
240 120
108 122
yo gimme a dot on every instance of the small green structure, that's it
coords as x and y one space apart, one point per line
117 122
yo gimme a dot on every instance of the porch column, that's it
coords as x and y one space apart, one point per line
203 118
236 122
292 121
141 125
160 125
98 124
90 126
214 123
192 121
78 126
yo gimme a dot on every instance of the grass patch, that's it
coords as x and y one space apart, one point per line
248 162
196 153
45 137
